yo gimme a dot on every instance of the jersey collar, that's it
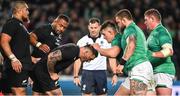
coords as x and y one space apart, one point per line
94 38
52 30
17 20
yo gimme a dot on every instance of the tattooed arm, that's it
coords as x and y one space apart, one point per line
131 44
53 57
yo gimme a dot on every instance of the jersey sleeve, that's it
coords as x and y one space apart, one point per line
116 43
10 29
82 42
164 37
130 31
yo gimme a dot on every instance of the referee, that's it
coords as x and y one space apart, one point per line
94 78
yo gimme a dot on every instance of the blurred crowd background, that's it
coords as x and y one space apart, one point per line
44 11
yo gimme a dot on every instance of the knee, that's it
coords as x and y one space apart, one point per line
19 91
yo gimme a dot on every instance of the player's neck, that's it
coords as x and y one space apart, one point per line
128 22
155 25
17 16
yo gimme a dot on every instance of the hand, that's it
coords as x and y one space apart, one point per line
54 76
16 65
44 47
77 81
96 46
35 60
114 80
30 82
119 69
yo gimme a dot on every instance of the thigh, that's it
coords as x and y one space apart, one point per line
43 78
87 82
137 87
122 91
164 83
36 85
141 78
6 88
142 72
101 82
163 80
17 79
126 83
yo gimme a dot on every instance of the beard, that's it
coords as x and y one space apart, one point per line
26 19
121 29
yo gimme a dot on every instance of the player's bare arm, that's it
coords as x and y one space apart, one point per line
166 51
131 44
110 52
77 66
15 63
34 41
113 65
53 57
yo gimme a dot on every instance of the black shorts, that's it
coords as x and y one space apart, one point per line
94 81
15 79
42 81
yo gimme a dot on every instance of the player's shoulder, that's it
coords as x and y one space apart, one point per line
162 30
129 29
83 39
101 38
12 21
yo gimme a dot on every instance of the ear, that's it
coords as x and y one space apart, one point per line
151 18
99 26
123 20
19 11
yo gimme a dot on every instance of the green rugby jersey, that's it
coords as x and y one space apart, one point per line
140 51
156 39
117 42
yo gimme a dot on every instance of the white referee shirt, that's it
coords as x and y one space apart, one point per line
100 62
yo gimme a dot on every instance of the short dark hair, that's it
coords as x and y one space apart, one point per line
17 5
109 23
64 17
94 20
153 12
124 13
94 51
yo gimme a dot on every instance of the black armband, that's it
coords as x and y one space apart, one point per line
122 61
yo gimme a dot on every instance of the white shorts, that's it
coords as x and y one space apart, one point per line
163 80
142 72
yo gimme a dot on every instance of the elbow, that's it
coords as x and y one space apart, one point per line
171 52
132 47
3 43
112 54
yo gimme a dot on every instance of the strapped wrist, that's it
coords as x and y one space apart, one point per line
38 44
122 61
12 57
